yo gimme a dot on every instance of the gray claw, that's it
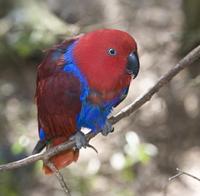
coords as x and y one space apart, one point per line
90 146
80 140
108 128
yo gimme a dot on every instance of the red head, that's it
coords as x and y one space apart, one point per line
107 58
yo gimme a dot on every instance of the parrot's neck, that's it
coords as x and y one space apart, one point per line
68 56
86 92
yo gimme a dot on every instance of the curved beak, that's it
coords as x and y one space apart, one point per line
133 64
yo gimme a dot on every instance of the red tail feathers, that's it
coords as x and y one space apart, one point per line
63 159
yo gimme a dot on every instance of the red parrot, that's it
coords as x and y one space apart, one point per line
78 84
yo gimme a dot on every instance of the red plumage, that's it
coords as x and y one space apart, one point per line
58 92
105 73
58 102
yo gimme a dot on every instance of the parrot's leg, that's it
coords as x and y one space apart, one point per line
80 139
108 128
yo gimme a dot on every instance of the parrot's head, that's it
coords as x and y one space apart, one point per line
108 58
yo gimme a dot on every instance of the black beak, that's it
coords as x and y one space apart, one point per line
133 64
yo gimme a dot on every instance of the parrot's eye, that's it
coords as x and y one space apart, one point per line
112 52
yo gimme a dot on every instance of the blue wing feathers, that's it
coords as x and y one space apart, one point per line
41 134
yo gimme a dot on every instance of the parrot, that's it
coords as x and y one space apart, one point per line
79 82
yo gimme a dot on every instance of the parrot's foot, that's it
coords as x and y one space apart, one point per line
108 128
80 140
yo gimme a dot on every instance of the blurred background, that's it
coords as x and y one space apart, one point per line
147 147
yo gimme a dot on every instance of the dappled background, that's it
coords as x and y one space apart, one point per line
146 148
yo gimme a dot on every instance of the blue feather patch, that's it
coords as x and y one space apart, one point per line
91 116
71 67
42 134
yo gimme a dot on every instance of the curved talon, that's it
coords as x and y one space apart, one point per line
112 130
90 146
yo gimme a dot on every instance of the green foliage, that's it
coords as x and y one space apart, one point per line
30 27
17 148
7 187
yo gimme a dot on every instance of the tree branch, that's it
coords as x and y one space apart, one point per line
59 178
193 56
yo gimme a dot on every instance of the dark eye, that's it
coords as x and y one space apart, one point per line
112 52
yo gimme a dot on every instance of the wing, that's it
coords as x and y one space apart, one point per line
54 59
57 95
58 103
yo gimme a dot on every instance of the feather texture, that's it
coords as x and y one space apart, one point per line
78 84
58 103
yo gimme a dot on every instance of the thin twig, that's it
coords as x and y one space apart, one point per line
59 177
180 173
185 62
175 176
